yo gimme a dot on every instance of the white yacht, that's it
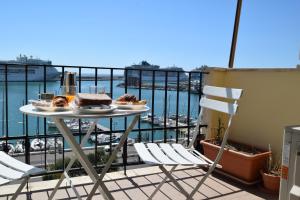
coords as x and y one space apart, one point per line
16 69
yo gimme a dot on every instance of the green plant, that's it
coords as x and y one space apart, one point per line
273 168
219 131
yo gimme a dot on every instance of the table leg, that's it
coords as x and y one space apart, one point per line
73 159
82 158
113 156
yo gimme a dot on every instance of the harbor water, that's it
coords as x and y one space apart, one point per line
16 98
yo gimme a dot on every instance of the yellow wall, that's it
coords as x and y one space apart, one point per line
271 101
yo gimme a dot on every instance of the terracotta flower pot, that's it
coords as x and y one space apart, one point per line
243 166
271 182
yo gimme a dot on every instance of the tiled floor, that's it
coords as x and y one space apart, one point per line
139 184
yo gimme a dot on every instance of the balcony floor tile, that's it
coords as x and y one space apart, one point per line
140 183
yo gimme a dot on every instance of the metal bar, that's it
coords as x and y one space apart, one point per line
62 75
44 120
63 152
200 95
235 33
79 89
189 109
177 105
6 107
96 76
125 127
140 96
152 106
105 132
95 129
104 68
27 142
165 107
111 120
63 139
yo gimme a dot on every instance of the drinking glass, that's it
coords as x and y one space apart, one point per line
69 92
96 89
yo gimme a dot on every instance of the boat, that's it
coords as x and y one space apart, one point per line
37 144
103 139
168 122
7 147
130 141
53 143
133 73
20 147
73 125
16 69
148 119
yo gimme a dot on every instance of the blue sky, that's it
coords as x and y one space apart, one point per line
164 32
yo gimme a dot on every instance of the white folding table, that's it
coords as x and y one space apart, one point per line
58 118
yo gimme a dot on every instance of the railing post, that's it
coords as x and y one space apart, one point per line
27 141
125 126
189 109
166 106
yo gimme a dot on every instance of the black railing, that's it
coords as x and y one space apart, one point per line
176 93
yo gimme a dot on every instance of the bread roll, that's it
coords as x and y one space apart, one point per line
60 101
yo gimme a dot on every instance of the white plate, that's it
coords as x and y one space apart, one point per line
52 108
94 110
131 106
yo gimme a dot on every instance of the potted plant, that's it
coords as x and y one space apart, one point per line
271 175
241 161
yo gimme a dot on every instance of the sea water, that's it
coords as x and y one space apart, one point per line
16 98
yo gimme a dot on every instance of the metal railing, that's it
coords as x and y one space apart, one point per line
182 90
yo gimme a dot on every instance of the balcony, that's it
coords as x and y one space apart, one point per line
172 95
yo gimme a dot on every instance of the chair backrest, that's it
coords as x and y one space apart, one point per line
218 105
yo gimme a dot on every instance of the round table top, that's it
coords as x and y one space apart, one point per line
31 110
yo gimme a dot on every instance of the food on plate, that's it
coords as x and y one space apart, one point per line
129 99
141 102
60 101
86 99
40 103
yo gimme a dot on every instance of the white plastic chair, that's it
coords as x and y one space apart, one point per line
174 155
12 169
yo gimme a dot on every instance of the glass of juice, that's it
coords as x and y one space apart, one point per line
69 92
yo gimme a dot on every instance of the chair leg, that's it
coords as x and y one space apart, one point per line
161 183
174 180
72 161
217 159
20 188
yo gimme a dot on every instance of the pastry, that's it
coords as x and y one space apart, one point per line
60 101
141 102
129 99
